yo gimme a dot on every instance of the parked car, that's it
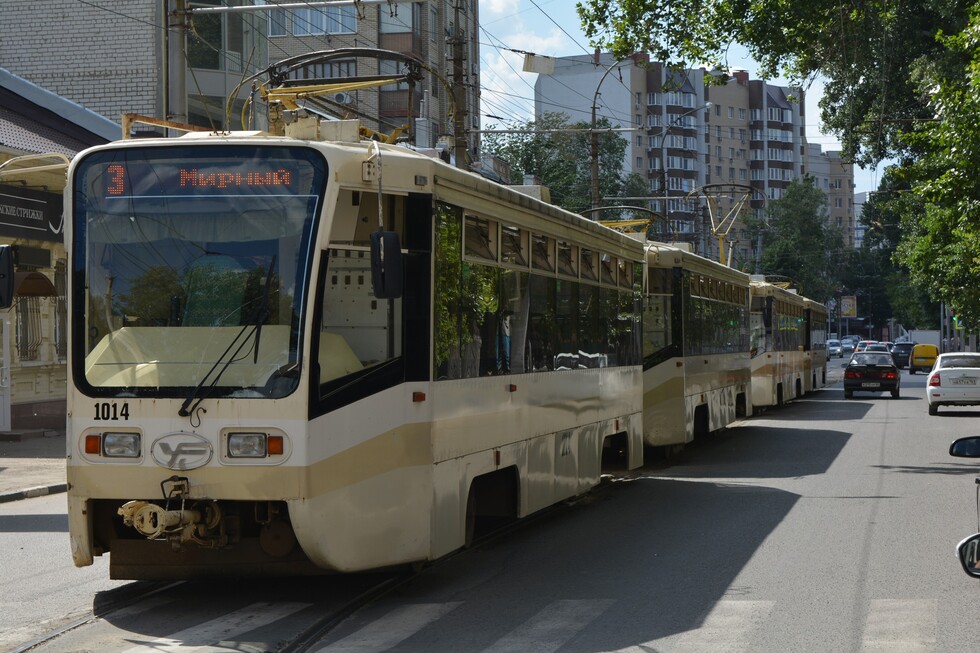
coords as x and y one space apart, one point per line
872 372
954 381
834 349
901 352
922 357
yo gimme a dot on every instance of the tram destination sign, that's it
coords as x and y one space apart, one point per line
179 178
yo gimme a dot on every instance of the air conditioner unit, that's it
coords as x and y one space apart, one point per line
342 98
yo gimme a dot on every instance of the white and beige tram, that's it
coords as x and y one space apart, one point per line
696 361
293 356
778 339
815 349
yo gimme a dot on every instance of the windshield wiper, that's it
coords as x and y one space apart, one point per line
194 399
263 311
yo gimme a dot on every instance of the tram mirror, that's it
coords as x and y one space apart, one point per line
969 553
6 276
386 265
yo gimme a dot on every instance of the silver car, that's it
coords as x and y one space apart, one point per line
834 349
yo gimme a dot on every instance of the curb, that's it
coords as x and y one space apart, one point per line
30 493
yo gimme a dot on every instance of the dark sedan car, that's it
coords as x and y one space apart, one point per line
871 372
901 352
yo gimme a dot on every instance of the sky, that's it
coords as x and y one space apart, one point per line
552 28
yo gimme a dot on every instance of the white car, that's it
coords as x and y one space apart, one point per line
834 349
954 381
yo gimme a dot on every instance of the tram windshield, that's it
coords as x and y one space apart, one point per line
190 268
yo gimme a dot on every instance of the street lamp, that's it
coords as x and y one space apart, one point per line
594 142
663 151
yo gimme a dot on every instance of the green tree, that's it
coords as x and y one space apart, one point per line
798 244
941 243
909 302
151 296
560 154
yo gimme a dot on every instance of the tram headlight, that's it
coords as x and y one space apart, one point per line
121 445
254 445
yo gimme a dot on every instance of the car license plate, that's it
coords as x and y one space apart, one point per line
869 384
963 381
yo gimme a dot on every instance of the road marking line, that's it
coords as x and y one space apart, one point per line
901 625
552 627
391 629
202 637
726 629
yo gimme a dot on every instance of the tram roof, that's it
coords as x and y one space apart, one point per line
443 180
668 254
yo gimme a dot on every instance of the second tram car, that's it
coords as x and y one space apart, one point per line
697 374
250 392
815 348
778 334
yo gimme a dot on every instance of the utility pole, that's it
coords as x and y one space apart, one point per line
459 92
176 81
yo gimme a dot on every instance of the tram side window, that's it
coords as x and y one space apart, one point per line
493 320
358 331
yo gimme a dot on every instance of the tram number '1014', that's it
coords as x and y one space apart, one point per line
104 411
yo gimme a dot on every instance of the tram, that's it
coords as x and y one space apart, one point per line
697 368
292 355
815 347
778 339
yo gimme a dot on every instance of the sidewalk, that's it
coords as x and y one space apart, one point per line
32 463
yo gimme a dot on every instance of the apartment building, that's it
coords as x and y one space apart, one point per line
118 56
835 178
696 135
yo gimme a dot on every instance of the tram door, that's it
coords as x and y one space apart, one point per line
4 375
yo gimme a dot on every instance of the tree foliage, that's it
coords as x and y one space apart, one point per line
798 244
559 153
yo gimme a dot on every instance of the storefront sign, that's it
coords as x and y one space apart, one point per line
30 214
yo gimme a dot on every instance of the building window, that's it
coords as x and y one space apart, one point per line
329 70
390 68
328 20
741 114
731 112
28 328
277 22
395 22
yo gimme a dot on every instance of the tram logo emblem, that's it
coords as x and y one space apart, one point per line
181 451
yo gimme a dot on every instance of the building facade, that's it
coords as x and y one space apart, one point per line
835 178
713 149
184 66
37 127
